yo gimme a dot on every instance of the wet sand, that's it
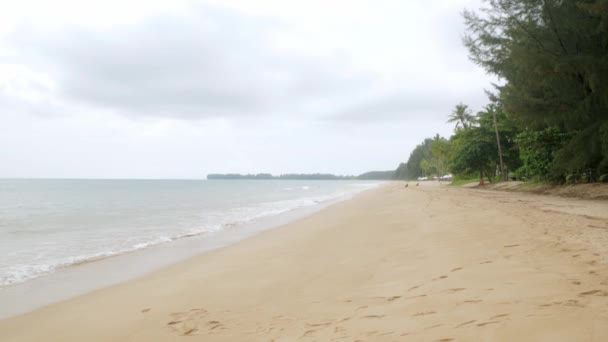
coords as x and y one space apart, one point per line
430 263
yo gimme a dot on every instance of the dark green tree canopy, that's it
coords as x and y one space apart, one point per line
553 58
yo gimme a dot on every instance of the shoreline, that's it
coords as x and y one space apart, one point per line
86 276
423 263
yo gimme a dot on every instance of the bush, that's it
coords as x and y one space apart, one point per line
538 150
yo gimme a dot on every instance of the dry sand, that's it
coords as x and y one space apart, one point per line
425 263
592 191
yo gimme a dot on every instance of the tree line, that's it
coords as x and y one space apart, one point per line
547 120
268 176
372 175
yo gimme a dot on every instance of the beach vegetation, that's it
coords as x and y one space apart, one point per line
547 119
552 59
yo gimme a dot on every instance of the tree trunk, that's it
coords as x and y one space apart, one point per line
502 165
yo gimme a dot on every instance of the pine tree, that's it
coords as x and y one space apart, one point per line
553 58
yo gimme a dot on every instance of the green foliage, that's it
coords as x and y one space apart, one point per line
475 149
429 158
459 180
553 58
507 131
461 115
427 167
401 172
440 153
538 150
421 152
377 175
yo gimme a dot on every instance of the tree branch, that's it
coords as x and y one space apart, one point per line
554 28
540 44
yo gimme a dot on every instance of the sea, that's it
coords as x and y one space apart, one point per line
50 225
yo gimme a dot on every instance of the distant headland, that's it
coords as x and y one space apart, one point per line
374 175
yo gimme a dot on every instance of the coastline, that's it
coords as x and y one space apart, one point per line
426 263
89 275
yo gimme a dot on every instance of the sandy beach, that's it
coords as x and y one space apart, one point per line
428 263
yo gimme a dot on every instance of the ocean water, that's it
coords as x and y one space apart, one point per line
47 225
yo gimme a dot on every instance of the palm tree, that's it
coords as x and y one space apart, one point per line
492 108
461 115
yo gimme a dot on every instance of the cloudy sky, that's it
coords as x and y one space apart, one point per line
179 89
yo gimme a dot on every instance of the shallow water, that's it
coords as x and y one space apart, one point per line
48 225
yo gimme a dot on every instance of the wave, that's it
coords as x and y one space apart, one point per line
228 219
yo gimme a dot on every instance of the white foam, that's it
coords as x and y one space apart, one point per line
212 221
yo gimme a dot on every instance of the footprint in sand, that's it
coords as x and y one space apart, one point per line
486 262
426 313
339 330
190 332
440 277
498 316
510 246
473 301
374 316
214 325
145 310
309 332
324 324
487 323
433 326
456 269
183 328
413 288
573 302
191 322
388 299
594 293
321 326
465 323
419 296
455 290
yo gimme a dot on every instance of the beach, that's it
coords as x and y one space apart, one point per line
427 263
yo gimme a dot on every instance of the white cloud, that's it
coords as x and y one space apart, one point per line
179 89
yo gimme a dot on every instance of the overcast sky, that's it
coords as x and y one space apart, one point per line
179 89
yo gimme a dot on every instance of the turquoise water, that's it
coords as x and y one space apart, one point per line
46 225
